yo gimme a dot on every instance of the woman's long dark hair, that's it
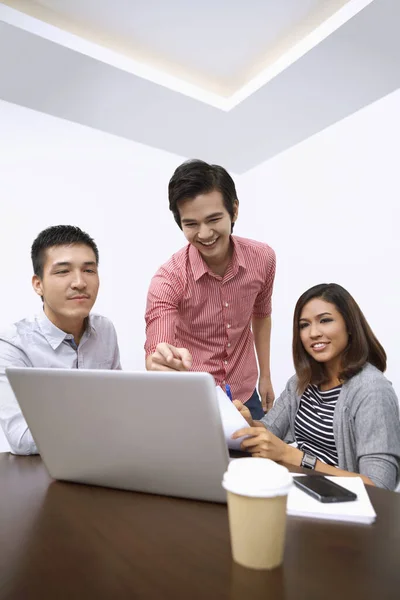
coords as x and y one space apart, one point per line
363 346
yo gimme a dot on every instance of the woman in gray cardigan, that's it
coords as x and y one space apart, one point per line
339 408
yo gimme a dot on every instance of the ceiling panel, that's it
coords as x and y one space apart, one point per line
354 66
217 44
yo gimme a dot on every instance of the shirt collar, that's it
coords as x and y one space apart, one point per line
200 268
237 255
56 336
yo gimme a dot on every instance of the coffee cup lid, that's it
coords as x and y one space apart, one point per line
257 477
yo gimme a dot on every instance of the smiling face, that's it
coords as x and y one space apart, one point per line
207 225
69 285
323 333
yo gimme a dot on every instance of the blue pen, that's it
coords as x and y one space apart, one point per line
228 392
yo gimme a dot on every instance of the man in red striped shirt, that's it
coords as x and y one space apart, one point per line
210 303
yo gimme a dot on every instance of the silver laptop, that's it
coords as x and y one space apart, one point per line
150 432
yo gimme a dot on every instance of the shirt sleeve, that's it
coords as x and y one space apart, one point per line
163 298
263 304
116 363
12 420
377 433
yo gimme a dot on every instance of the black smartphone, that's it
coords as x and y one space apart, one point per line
323 489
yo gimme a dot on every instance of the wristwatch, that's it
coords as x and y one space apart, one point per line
308 461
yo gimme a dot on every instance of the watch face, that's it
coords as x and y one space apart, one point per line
308 461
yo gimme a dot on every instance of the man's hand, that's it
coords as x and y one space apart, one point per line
266 392
169 358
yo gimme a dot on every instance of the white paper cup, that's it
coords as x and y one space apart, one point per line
257 494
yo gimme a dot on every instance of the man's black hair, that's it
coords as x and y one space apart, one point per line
59 235
195 177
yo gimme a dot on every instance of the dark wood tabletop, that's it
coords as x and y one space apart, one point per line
69 541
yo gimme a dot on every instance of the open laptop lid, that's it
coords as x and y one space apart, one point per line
151 432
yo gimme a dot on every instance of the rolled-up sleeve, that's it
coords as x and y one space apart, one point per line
12 420
263 304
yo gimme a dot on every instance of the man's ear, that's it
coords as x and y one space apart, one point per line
37 285
235 211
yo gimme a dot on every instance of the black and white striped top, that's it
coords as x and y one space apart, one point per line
313 424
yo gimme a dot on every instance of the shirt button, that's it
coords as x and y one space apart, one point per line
229 326
229 344
226 304
225 362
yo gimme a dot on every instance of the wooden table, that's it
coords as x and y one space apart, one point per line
68 541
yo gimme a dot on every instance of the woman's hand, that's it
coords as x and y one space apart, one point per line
262 443
244 411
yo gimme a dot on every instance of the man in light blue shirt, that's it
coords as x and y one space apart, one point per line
64 335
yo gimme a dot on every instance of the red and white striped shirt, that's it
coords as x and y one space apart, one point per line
190 307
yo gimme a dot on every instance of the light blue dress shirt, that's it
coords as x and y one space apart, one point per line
36 342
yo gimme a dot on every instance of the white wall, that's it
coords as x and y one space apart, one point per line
55 172
330 209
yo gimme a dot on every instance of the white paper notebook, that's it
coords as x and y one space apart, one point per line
231 418
361 510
